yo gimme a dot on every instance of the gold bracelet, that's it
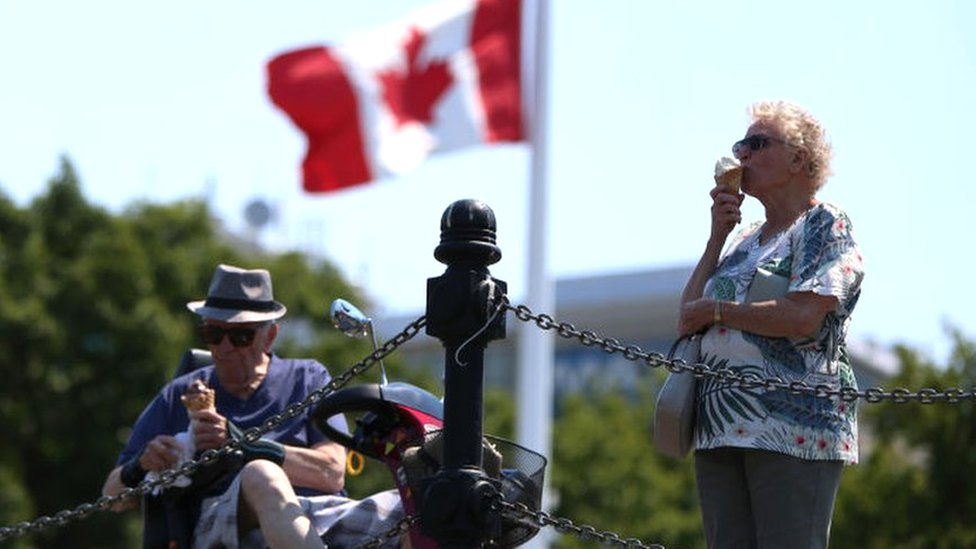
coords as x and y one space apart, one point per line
718 312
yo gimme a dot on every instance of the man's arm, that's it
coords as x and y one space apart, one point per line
162 452
321 467
113 486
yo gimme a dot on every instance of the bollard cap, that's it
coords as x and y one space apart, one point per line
468 234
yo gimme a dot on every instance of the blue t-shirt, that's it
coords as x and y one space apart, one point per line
288 381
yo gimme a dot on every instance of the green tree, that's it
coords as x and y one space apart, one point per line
606 472
914 489
93 316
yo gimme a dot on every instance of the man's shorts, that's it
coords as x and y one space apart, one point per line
341 521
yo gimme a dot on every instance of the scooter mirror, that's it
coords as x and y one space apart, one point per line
352 322
348 319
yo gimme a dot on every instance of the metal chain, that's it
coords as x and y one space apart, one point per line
253 434
398 529
520 512
516 511
748 380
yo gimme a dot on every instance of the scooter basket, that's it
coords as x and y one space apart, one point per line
520 474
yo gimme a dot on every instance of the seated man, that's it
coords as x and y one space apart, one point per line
265 501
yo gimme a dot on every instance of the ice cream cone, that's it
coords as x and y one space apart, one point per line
728 172
199 397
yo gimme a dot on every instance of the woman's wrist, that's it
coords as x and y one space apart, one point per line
717 313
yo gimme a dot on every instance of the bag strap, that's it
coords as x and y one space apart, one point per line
677 342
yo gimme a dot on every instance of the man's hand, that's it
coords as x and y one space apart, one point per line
162 452
208 429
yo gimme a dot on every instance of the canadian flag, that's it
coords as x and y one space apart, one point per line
378 104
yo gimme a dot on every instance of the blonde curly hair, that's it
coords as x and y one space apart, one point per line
801 130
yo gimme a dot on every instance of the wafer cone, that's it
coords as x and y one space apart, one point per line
728 172
731 178
199 397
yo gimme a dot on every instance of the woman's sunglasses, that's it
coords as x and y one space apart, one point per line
239 337
754 142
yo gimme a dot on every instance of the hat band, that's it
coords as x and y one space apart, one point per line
241 304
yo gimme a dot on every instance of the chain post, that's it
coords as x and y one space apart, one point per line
462 311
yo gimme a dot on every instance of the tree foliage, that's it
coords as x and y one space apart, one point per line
94 321
915 489
607 474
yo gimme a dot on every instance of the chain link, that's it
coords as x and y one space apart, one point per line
748 380
253 434
398 529
520 512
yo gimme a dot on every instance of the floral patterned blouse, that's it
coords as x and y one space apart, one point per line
818 254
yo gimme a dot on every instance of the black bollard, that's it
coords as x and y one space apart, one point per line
463 312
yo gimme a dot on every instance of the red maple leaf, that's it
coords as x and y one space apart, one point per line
412 94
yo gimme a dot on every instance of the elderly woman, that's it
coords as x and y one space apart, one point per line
776 304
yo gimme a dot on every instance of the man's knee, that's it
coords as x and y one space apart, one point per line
261 478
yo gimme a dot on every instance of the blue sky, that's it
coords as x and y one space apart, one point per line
167 101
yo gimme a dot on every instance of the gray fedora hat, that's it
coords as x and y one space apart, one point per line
239 295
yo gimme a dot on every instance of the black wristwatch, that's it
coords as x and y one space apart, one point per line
132 473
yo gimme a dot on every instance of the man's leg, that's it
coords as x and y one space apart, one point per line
269 501
345 522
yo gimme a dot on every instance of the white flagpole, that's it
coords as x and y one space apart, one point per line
535 346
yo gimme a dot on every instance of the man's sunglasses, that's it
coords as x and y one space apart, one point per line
239 337
754 142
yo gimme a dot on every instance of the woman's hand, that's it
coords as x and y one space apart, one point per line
725 211
696 315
